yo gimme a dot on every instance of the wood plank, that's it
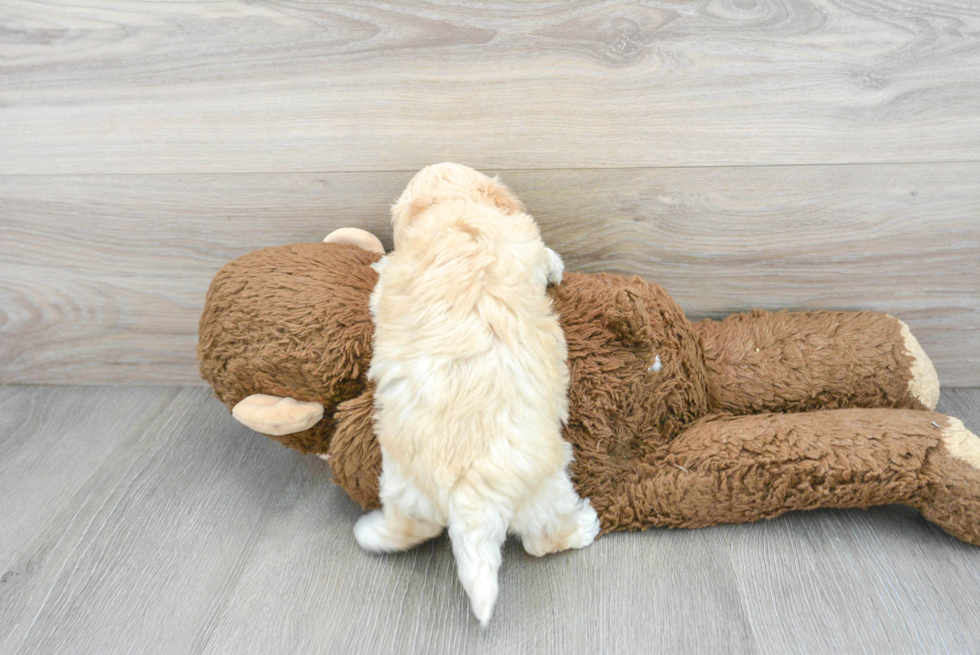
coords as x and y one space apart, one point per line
881 581
104 276
137 549
90 425
55 444
621 595
170 528
124 86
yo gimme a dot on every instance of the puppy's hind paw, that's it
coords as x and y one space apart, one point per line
577 529
380 533
588 526
370 532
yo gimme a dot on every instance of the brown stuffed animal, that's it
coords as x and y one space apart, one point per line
673 424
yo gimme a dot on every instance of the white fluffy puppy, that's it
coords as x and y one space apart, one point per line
471 373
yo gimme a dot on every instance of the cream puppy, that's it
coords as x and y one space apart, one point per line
471 374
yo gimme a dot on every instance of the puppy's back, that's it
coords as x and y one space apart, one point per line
469 356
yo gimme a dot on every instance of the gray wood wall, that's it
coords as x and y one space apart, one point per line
742 153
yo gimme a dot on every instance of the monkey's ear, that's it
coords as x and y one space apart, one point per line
356 237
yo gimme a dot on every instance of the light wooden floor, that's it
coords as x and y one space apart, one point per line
147 520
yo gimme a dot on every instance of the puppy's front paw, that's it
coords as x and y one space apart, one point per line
555 267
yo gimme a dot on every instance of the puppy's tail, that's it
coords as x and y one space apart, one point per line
477 528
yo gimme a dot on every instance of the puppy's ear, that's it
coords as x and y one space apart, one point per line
501 198
404 211
416 207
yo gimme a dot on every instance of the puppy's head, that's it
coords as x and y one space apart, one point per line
450 182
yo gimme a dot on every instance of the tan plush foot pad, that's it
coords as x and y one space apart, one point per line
924 385
962 444
277 416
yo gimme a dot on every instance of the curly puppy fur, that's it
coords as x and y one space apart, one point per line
469 363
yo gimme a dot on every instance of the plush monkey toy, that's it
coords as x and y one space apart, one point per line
673 423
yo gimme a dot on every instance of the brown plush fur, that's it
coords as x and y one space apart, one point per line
291 321
797 362
747 418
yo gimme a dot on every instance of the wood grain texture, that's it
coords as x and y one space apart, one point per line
888 591
137 546
104 276
124 86
147 520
